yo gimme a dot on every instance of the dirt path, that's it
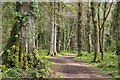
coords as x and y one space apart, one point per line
67 67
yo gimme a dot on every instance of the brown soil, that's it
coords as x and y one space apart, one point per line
67 67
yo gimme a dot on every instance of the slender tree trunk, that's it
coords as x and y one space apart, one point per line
58 30
101 31
55 36
63 39
55 30
51 48
79 29
51 38
69 36
88 30
96 32
117 27
101 28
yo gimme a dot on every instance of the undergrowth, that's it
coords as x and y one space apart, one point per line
41 70
107 66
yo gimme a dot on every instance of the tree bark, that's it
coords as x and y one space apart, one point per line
55 29
68 41
20 43
79 29
88 30
101 26
58 30
117 27
96 32
31 37
51 48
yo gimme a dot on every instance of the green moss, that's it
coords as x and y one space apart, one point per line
21 59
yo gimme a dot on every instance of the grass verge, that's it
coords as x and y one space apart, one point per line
107 66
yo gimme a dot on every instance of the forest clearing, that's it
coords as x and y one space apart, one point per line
49 40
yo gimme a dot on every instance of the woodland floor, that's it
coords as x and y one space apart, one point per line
67 67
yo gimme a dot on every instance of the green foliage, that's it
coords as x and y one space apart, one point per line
8 17
21 17
11 72
38 67
11 56
86 57
30 73
108 65
34 8
43 52
110 45
35 73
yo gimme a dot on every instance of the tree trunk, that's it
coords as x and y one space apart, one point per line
79 29
117 25
69 36
55 30
20 43
58 30
63 39
96 32
27 35
101 32
51 49
101 28
88 30
31 34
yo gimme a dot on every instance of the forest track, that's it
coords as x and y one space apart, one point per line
67 67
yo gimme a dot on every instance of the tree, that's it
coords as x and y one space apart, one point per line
53 35
117 31
51 52
22 39
55 29
88 29
101 24
58 30
79 29
96 32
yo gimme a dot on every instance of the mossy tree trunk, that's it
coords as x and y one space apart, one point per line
21 42
79 29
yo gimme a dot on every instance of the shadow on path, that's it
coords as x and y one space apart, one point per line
68 67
